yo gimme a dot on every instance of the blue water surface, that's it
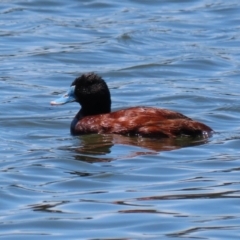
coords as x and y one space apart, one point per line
180 55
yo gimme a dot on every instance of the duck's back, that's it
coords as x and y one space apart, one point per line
144 121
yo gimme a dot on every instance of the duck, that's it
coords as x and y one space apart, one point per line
95 116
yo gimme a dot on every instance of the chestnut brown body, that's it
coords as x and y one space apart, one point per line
143 121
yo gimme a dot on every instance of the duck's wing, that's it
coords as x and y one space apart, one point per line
175 128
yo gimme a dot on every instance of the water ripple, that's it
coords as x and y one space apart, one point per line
177 55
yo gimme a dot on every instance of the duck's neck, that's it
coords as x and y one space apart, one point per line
82 113
75 121
94 109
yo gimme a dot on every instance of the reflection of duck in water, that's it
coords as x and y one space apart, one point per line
95 116
99 147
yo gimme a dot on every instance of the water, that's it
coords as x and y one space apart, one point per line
180 55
